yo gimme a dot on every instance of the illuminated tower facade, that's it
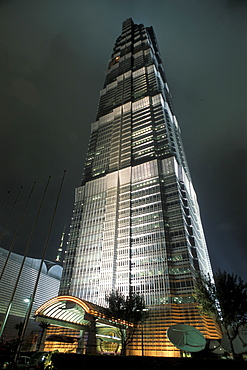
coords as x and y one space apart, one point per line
136 224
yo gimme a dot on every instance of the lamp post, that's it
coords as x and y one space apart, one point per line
27 315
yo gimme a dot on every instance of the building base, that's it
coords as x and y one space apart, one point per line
151 337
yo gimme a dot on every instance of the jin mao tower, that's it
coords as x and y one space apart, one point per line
136 224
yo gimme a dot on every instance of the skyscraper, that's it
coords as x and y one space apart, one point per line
136 225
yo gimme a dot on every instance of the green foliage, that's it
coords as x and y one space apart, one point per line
48 363
225 299
232 297
43 325
205 296
131 309
19 328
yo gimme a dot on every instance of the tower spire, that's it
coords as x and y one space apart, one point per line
60 248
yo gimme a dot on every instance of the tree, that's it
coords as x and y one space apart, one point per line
19 328
131 309
43 325
225 299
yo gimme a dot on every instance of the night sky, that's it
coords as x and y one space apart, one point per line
53 57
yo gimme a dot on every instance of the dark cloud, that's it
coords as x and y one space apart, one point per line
52 62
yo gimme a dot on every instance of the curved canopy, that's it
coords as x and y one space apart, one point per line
68 309
74 312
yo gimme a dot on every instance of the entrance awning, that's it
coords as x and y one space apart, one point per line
64 311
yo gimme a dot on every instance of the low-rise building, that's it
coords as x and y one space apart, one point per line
47 288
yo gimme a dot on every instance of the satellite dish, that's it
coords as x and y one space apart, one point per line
186 337
239 343
226 344
215 347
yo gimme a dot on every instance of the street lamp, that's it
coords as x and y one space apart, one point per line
29 302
